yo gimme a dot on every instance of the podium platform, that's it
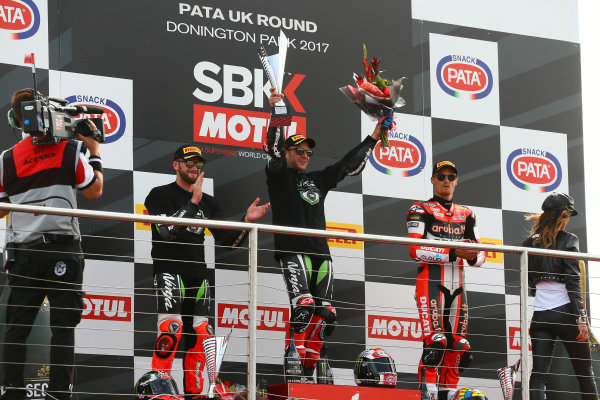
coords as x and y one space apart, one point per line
284 391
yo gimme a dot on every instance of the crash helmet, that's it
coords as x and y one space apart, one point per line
156 385
468 393
375 367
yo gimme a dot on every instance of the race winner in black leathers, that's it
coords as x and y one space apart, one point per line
179 268
298 199
440 293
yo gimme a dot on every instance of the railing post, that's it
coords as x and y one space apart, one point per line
524 327
252 300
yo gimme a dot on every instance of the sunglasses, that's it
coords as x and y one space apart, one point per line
442 177
191 163
300 151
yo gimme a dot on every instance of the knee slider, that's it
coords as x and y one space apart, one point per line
433 353
168 337
302 313
329 314
463 347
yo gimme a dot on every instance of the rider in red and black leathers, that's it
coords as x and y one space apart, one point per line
440 295
298 199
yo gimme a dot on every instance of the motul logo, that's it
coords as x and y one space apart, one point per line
113 308
234 127
514 337
384 327
268 318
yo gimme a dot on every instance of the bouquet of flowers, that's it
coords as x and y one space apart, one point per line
374 95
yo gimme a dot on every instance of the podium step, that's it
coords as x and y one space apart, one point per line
284 391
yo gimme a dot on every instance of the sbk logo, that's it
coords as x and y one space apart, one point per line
268 318
111 308
19 17
238 86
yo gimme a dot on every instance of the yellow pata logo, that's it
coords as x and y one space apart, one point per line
344 243
493 256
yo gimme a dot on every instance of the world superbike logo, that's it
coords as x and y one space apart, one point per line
405 155
534 170
21 18
113 117
464 77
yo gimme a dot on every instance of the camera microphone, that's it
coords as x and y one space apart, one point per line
76 110
90 109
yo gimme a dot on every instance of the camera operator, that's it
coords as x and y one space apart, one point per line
46 259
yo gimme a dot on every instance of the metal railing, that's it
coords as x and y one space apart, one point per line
255 228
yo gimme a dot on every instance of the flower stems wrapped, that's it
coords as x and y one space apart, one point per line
376 96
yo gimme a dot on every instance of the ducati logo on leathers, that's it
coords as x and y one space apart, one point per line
309 192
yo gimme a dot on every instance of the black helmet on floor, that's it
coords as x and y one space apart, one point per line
375 367
156 385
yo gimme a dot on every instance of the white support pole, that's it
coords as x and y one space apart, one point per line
252 301
524 327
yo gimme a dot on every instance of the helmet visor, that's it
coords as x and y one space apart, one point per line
381 365
163 386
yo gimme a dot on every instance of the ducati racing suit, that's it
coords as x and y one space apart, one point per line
440 295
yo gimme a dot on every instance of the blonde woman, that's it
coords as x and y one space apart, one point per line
558 306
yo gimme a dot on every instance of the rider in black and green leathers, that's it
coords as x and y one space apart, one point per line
298 199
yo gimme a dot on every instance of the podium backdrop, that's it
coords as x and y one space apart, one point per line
494 88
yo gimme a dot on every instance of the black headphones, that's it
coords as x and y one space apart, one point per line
13 122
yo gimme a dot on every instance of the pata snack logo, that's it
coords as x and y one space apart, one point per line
534 169
113 117
404 157
21 18
464 77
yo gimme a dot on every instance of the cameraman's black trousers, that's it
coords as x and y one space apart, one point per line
546 327
54 270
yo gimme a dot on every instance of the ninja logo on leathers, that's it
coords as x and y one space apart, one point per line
294 275
167 292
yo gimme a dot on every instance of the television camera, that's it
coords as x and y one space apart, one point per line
51 120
